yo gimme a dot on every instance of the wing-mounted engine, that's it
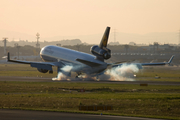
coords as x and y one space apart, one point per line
42 70
104 53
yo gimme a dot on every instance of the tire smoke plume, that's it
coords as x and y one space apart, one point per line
63 75
125 72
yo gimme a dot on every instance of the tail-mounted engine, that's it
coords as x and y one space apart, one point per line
104 53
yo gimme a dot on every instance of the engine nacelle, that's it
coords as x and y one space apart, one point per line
42 70
104 53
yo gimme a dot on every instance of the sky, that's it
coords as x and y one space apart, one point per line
85 17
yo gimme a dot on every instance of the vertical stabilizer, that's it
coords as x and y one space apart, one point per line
104 39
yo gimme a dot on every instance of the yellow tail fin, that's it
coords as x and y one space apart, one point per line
104 39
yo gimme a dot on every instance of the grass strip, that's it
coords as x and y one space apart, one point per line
127 100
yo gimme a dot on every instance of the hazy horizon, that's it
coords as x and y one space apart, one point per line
86 17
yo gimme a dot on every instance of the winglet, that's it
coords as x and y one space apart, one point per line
8 56
104 39
170 60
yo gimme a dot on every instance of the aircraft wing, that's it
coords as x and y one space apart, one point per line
89 63
145 64
41 65
119 63
161 63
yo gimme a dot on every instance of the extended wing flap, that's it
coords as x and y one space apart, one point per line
89 63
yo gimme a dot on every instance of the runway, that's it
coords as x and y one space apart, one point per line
39 79
41 115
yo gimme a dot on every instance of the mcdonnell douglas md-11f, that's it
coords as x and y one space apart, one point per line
82 63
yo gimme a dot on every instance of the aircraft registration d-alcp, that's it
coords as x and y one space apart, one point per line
83 63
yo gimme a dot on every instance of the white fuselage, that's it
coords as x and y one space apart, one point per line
68 56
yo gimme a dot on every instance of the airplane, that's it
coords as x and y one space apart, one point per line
82 63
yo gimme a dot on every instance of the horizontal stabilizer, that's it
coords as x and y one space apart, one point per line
89 63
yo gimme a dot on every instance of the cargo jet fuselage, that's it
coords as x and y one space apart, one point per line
70 57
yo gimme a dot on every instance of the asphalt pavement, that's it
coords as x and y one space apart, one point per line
41 115
39 79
